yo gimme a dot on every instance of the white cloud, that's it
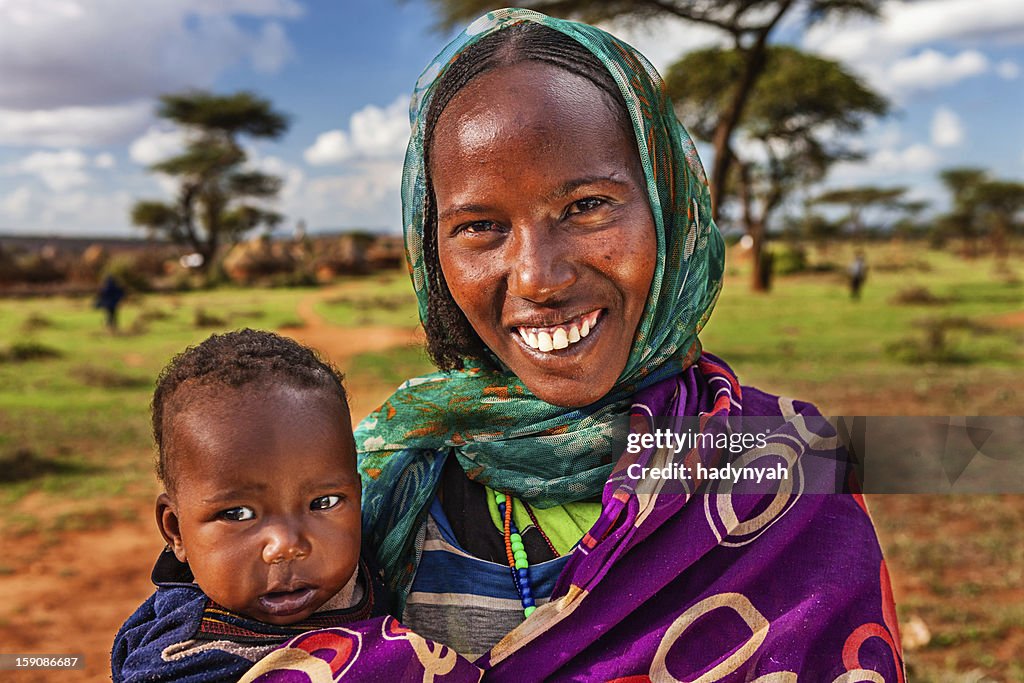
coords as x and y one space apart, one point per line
78 212
947 130
275 50
373 133
65 53
903 26
158 143
73 126
887 164
60 171
17 202
913 159
366 196
886 51
105 160
930 69
1007 70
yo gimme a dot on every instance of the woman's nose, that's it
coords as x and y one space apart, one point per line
284 542
540 266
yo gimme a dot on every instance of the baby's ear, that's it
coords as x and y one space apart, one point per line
167 522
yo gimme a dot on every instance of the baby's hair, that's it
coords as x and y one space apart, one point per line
236 359
450 337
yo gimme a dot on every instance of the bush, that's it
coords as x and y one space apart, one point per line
918 296
126 269
204 319
21 351
789 260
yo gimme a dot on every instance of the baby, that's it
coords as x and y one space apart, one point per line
260 511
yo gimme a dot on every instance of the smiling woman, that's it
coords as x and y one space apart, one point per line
559 233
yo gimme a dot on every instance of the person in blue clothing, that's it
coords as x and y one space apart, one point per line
261 511
109 298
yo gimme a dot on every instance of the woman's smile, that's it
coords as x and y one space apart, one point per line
569 334
545 234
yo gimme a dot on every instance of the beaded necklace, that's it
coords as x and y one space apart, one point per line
515 551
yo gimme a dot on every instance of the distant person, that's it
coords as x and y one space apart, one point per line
767 269
858 272
109 298
261 514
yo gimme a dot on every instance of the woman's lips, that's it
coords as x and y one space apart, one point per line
554 338
287 603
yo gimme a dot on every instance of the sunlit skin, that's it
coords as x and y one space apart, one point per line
543 217
265 506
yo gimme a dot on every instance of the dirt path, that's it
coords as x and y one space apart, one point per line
68 594
340 345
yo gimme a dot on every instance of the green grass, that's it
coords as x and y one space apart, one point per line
384 299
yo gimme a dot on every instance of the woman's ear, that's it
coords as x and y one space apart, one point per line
167 522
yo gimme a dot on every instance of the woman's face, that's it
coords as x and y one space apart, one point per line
545 234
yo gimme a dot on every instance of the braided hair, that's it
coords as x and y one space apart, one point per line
236 359
450 337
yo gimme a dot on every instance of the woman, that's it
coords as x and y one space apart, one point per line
559 232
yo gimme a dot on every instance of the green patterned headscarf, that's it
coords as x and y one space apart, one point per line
502 435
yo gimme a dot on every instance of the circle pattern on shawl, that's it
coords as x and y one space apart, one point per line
735 602
720 503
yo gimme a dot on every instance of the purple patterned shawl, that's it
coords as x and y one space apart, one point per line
694 587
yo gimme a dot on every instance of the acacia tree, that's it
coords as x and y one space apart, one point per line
981 206
749 24
218 199
858 200
797 123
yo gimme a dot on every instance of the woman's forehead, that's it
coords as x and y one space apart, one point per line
515 90
528 99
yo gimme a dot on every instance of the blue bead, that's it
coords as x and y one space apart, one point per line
525 593
524 574
528 602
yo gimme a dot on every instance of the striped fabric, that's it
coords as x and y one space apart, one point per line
465 602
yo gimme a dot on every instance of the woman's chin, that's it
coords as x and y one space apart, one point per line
572 377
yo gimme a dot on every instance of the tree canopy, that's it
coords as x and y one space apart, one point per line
981 206
218 198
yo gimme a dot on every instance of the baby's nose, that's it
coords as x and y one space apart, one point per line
285 543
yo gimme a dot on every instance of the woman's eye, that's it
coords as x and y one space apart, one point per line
585 205
478 227
239 514
324 502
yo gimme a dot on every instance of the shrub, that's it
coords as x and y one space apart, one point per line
21 351
789 260
126 269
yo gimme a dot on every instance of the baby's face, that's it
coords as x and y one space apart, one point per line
266 502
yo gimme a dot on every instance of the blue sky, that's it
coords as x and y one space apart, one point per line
79 78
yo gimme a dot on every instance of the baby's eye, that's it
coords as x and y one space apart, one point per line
584 205
324 502
239 514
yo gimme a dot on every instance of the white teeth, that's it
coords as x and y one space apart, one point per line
560 339
556 338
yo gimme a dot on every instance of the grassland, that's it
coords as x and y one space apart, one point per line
75 453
